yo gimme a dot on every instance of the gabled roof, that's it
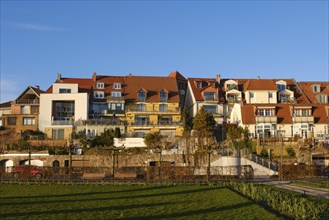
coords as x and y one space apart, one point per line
152 85
177 75
259 84
35 90
307 87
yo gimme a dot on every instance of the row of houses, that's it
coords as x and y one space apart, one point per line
138 105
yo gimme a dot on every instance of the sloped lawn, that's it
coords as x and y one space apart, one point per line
126 202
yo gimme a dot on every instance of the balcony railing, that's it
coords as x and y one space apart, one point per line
159 124
116 112
233 100
303 119
62 122
152 109
266 119
113 98
27 101
101 121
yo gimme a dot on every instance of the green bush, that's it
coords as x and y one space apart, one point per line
288 203
291 152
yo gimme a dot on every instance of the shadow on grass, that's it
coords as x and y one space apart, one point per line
181 192
82 210
87 193
193 214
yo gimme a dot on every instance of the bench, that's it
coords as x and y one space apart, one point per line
91 176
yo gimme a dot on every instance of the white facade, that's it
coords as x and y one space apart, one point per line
261 96
80 100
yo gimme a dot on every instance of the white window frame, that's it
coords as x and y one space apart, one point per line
116 94
117 86
100 85
98 94
28 121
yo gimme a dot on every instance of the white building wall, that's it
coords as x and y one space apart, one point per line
73 86
46 100
320 129
261 96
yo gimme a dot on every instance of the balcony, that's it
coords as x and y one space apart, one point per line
266 119
151 109
159 124
27 102
112 112
62 122
101 121
115 99
233 99
303 119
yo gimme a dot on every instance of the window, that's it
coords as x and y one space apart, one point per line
58 134
270 95
209 96
199 85
11 121
64 90
100 85
141 107
163 96
116 94
28 121
99 94
316 88
304 112
264 112
280 87
210 109
141 96
323 99
63 110
117 85
231 86
251 95
163 107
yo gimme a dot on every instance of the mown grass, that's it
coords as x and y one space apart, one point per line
22 201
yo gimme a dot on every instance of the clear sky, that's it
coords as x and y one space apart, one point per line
237 39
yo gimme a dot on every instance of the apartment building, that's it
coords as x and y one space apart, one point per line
5 108
153 105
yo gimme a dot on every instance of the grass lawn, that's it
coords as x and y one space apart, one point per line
126 202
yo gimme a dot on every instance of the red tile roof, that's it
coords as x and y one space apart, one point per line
84 84
197 92
248 114
320 114
177 75
5 104
307 87
259 84
153 85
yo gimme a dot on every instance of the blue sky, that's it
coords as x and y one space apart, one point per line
237 39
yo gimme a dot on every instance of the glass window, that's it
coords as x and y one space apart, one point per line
64 90
58 134
163 107
141 96
251 95
100 85
163 96
210 109
270 95
99 94
141 107
199 85
116 94
28 121
117 85
11 120
209 96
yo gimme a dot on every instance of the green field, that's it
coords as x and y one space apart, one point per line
126 202
314 183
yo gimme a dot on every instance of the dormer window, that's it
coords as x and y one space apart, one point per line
316 88
141 96
116 94
199 85
100 85
117 86
280 87
99 94
163 96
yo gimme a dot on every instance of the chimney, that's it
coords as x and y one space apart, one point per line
94 77
218 78
37 86
59 76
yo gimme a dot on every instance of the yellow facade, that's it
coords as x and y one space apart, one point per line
153 115
67 132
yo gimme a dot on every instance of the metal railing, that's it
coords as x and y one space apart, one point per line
27 101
